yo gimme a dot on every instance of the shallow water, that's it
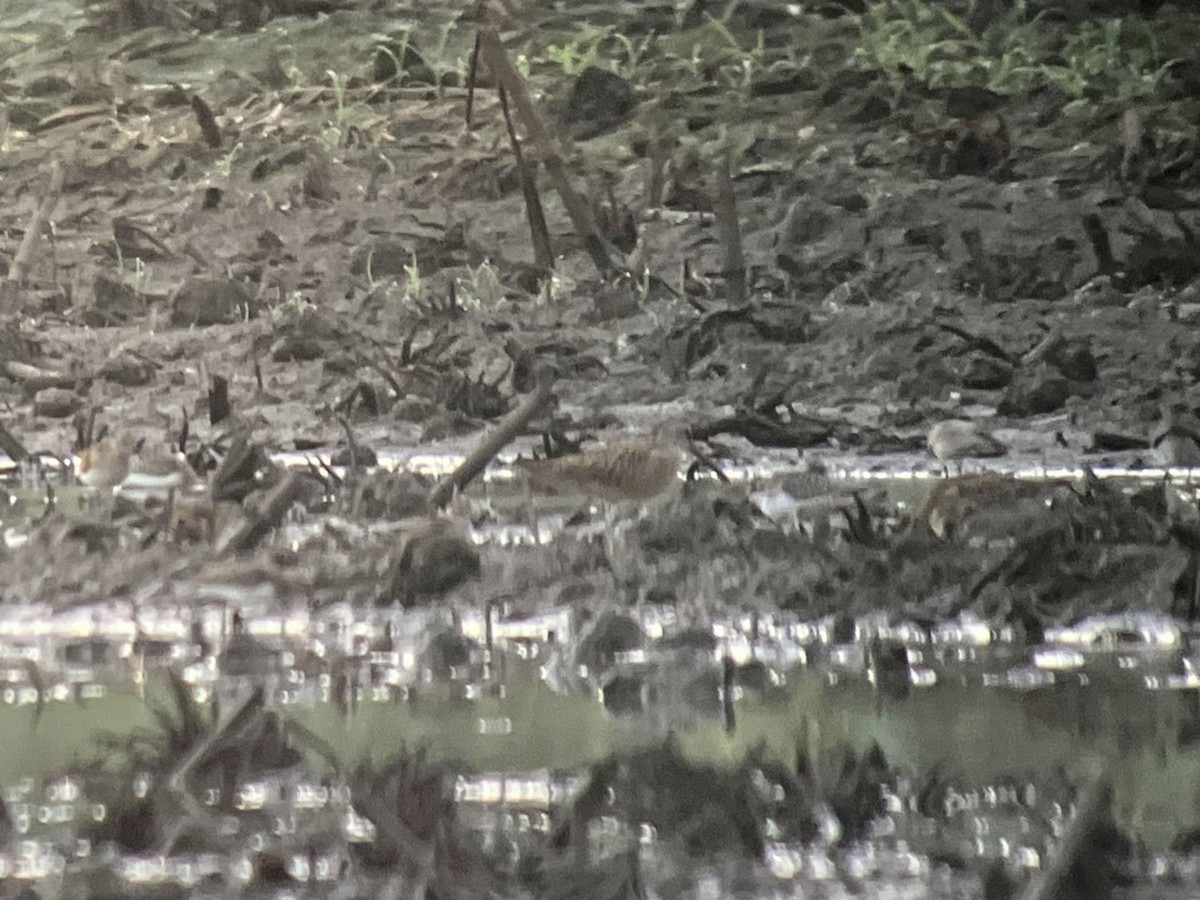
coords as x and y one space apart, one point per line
984 710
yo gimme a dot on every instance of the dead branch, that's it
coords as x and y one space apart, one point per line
22 262
491 49
512 425
543 256
254 525
36 378
731 234
10 445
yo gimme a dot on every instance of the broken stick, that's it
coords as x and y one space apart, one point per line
246 533
511 426
730 230
22 261
491 49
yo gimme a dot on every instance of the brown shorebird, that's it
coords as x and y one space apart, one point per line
105 464
636 471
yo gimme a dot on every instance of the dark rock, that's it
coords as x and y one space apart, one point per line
434 560
806 220
611 634
46 85
241 469
873 109
318 182
210 301
615 300
113 301
888 660
982 372
382 257
1157 258
971 101
136 241
695 638
599 100
390 495
997 884
845 8
932 236
857 797
851 201
128 370
1075 360
55 403
269 165
1112 441
1036 392
711 811
756 676
755 14
246 657
625 694
846 82
295 347
448 650
398 61
974 147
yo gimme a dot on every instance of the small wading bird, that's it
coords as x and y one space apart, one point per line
958 439
105 464
626 472
1176 438
635 471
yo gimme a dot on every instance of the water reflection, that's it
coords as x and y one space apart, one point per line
1123 685
631 662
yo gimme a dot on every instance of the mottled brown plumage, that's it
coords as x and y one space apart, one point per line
611 472
105 464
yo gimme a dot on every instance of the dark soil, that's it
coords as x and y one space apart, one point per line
906 247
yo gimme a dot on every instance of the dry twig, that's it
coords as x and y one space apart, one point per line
254 525
543 256
512 425
22 261
491 49
731 234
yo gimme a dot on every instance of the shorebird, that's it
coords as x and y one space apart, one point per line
632 470
1176 438
105 464
611 474
959 439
